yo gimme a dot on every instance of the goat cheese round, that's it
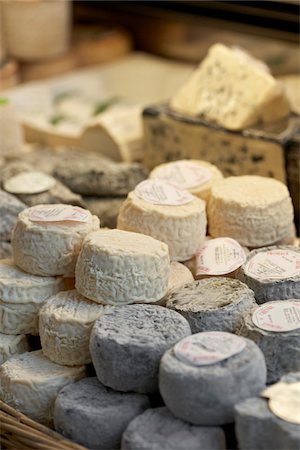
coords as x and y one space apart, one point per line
95 416
21 297
127 343
275 328
11 345
194 175
47 238
65 323
164 212
212 304
254 210
272 273
117 267
179 275
206 394
158 429
30 383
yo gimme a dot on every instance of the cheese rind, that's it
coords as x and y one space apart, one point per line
10 207
11 345
65 323
31 382
117 267
181 227
49 248
256 211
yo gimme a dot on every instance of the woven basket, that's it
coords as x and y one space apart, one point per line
18 432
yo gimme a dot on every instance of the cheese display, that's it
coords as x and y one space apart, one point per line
127 343
21 297
275 328
47 238
117 267
273 273
206 374
194 175
158 429
221 90
10 207
30 383
94 415
164 212
212 304
11 345
65 323
256 211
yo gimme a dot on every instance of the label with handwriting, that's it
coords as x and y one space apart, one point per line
184 174
58 213
278 316
160 192
276 264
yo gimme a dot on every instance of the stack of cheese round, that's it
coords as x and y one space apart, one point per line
164 212
196 176
256 211
47 238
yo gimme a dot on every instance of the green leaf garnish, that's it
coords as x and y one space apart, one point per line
57 119
4 101
103 106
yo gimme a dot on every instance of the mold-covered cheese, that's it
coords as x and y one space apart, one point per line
11 345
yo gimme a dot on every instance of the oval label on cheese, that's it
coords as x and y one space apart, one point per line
284 401
184 174
210 347
277 264
219 256
32 182
58 213
159 192
278 316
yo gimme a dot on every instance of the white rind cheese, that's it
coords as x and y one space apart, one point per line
11 345
117 267
174 173
49 248
232 89
21 297
179 275
181 227
30 383
256 211
65 323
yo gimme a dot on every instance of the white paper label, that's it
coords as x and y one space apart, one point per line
184 174
58 213
160 192
278 316
210 347
219 256
276 264
29 183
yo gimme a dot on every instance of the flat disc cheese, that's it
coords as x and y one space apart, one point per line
117 267
65 323
253 210
11 345
180 224
47 238
32 182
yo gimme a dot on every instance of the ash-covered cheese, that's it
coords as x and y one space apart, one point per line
47 238
275 328
206 374
212 304
127 343
65 323
164 212
10 207
273 273
11 345
95 416
157 428
194 175
21 297
30 383
256 211
232 89
117 267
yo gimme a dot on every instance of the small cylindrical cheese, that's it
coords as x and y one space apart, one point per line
117 267
47 238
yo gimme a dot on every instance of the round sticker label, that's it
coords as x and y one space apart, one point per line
29 183
219 256
58 213
284 401
210 347
184 174
277 264
159 192
278 316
